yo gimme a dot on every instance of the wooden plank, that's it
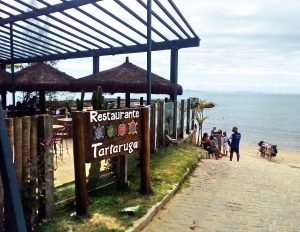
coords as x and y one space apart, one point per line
79 164
145 154
161 130
182 118
10 132
153 128
188 116
45 167
33 145
175 121
18 161
193 119
26 126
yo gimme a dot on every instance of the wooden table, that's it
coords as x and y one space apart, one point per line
64 119
57 127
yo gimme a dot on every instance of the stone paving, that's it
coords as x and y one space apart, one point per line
251 195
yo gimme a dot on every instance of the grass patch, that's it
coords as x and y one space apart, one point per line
167 168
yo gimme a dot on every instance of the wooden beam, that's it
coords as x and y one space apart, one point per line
156 46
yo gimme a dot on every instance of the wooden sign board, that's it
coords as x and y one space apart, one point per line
111 133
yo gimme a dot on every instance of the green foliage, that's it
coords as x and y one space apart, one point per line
167 168
198 112
97 99
69 107
79 103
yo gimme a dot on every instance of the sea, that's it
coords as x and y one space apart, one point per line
273 118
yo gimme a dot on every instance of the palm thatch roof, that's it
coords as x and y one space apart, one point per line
125 78
4 77
41 77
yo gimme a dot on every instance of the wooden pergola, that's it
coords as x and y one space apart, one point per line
68 29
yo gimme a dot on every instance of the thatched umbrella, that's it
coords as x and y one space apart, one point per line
126 78
41 77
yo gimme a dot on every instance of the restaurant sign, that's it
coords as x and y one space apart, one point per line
112 133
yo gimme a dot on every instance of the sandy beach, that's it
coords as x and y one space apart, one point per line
284 156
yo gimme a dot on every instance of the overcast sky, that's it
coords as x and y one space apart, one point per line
245 46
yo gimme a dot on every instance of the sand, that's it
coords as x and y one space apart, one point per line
284 156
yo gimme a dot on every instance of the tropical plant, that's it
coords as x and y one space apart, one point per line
198 109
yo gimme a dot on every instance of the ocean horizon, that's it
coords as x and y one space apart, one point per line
271 117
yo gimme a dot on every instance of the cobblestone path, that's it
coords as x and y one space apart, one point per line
251 195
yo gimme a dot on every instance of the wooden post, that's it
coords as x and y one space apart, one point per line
118 103
127 100
45 166
145 154
10 132
188 115
162 122
141 101
175 120
33 145
79 164
182 119
193 119
26 126
122 161
153 128
42 102
18 161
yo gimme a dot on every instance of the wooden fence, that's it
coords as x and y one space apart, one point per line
31 143
171 118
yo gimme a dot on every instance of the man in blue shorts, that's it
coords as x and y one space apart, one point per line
235 143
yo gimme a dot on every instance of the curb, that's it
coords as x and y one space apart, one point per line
146 219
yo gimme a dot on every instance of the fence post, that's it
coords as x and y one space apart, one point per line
175 120
118 102
141 101
10 133
188 115
182 119
145 154
153 128
193 119
18 148
26 126
79 164
45 166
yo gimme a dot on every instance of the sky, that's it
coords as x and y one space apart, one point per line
245 46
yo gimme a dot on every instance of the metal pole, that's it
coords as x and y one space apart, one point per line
149 48
12 68
13 206
174 72
96 64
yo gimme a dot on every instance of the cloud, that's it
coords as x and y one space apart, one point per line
246 45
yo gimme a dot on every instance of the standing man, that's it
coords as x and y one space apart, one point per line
235 143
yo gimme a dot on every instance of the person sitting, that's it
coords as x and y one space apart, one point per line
210 146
